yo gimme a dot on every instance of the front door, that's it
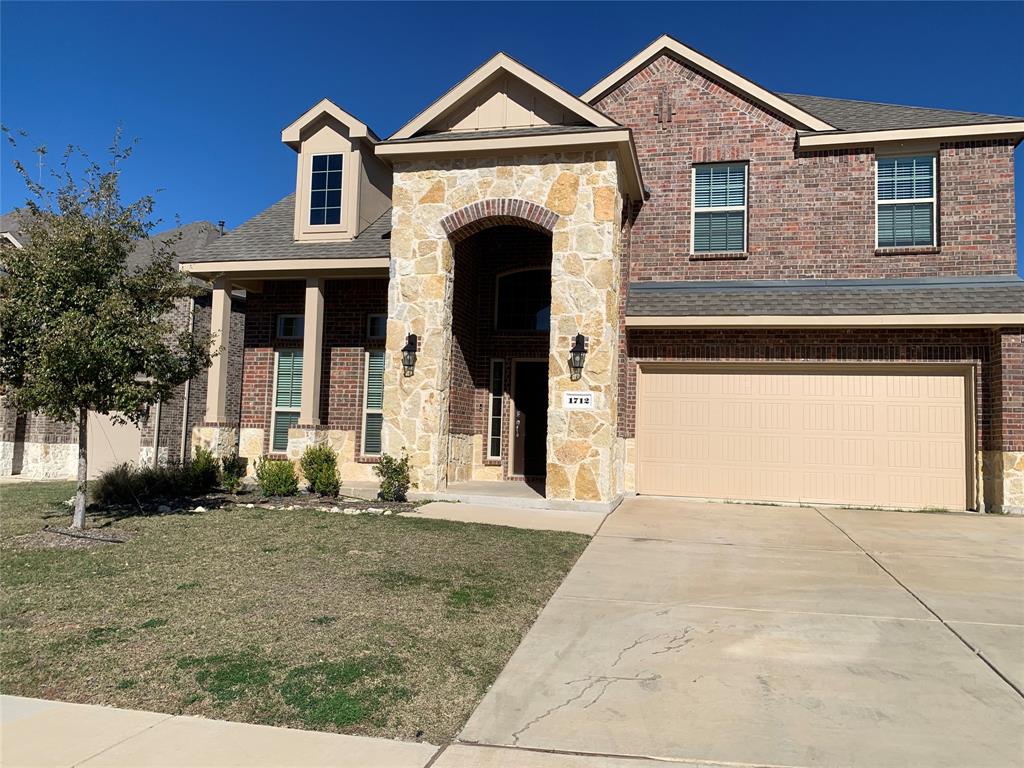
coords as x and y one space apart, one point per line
530 425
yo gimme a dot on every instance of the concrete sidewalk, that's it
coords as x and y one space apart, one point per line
573 521
35 734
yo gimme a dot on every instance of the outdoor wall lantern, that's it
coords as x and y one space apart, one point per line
577 355
409 355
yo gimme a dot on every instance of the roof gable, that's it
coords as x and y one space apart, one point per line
502 94
666 45
357 129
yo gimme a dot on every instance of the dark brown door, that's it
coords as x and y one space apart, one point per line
530 425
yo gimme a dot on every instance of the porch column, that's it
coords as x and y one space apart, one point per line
312 351
220 328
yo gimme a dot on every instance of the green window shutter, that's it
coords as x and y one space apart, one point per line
374 418
289 379
283 421
718 231
721 185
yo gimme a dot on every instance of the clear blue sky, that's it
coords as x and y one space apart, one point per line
207 87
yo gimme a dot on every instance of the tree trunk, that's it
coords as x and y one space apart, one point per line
83 468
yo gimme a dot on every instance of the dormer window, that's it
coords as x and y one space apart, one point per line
325 190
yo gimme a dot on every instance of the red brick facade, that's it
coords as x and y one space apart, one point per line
347 305
810 215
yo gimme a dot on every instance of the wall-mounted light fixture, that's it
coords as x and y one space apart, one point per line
409 355
577 356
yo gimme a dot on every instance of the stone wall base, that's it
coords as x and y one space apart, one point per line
41 461
146 456
465 462
6 458
343 441
221 440
1002 482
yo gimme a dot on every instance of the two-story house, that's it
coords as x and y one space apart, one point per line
680 283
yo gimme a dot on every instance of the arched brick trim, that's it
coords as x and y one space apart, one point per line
498 212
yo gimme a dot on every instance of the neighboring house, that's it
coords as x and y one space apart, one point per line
35 446
680 283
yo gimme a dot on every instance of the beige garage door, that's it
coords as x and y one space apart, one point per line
860 437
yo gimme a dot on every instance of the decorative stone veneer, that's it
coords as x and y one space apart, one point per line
1002 482
220 440
465 460
49 461
581 190
146 456
343 441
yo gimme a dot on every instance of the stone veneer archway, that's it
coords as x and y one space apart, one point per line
575 195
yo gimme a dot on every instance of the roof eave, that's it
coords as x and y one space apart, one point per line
621 139
957 320
836 139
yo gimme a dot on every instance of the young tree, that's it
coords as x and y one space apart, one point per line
80 331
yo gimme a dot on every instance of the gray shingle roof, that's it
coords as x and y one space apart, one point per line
185 240
851 115
270 235
968 295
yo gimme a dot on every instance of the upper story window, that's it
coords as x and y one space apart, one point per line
720 208
523 301
376 326
905 198
325 190
289 326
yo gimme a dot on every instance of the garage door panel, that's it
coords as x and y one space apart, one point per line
872 439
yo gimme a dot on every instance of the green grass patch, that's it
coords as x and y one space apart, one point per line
371 625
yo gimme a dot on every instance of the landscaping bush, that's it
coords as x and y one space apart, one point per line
128 484
320 467
276 477
204 471
394 477
232 472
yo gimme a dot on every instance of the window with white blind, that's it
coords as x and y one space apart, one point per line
905 201
287 397
719 211
373 402
494 412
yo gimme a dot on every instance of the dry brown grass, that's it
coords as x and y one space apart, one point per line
384 626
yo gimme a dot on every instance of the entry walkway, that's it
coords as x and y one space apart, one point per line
52 734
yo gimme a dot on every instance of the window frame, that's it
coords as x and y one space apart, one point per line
720 209
340 224
500 363
274 409
933 200
279 322
366 393
369 326
497 299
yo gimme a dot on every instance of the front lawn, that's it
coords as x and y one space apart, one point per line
385 626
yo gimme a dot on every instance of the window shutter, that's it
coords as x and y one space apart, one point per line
289 379
374 418
283 421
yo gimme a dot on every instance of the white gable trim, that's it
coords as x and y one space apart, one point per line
357 128
667 44
498 63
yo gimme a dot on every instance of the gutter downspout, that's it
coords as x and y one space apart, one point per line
156 436
188 386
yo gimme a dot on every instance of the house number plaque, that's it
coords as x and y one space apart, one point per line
578 401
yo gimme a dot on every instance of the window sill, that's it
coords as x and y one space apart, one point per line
720 256
489 462
908 250
367 459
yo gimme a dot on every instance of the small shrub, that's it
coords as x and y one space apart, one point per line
320 466
120 485
233 470
394 477
276 477
203 471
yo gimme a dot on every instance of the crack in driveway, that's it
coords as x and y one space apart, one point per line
592 681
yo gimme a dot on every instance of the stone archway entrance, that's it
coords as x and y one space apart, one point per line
572 201
501 329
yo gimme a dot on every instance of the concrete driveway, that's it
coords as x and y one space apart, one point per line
724 634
